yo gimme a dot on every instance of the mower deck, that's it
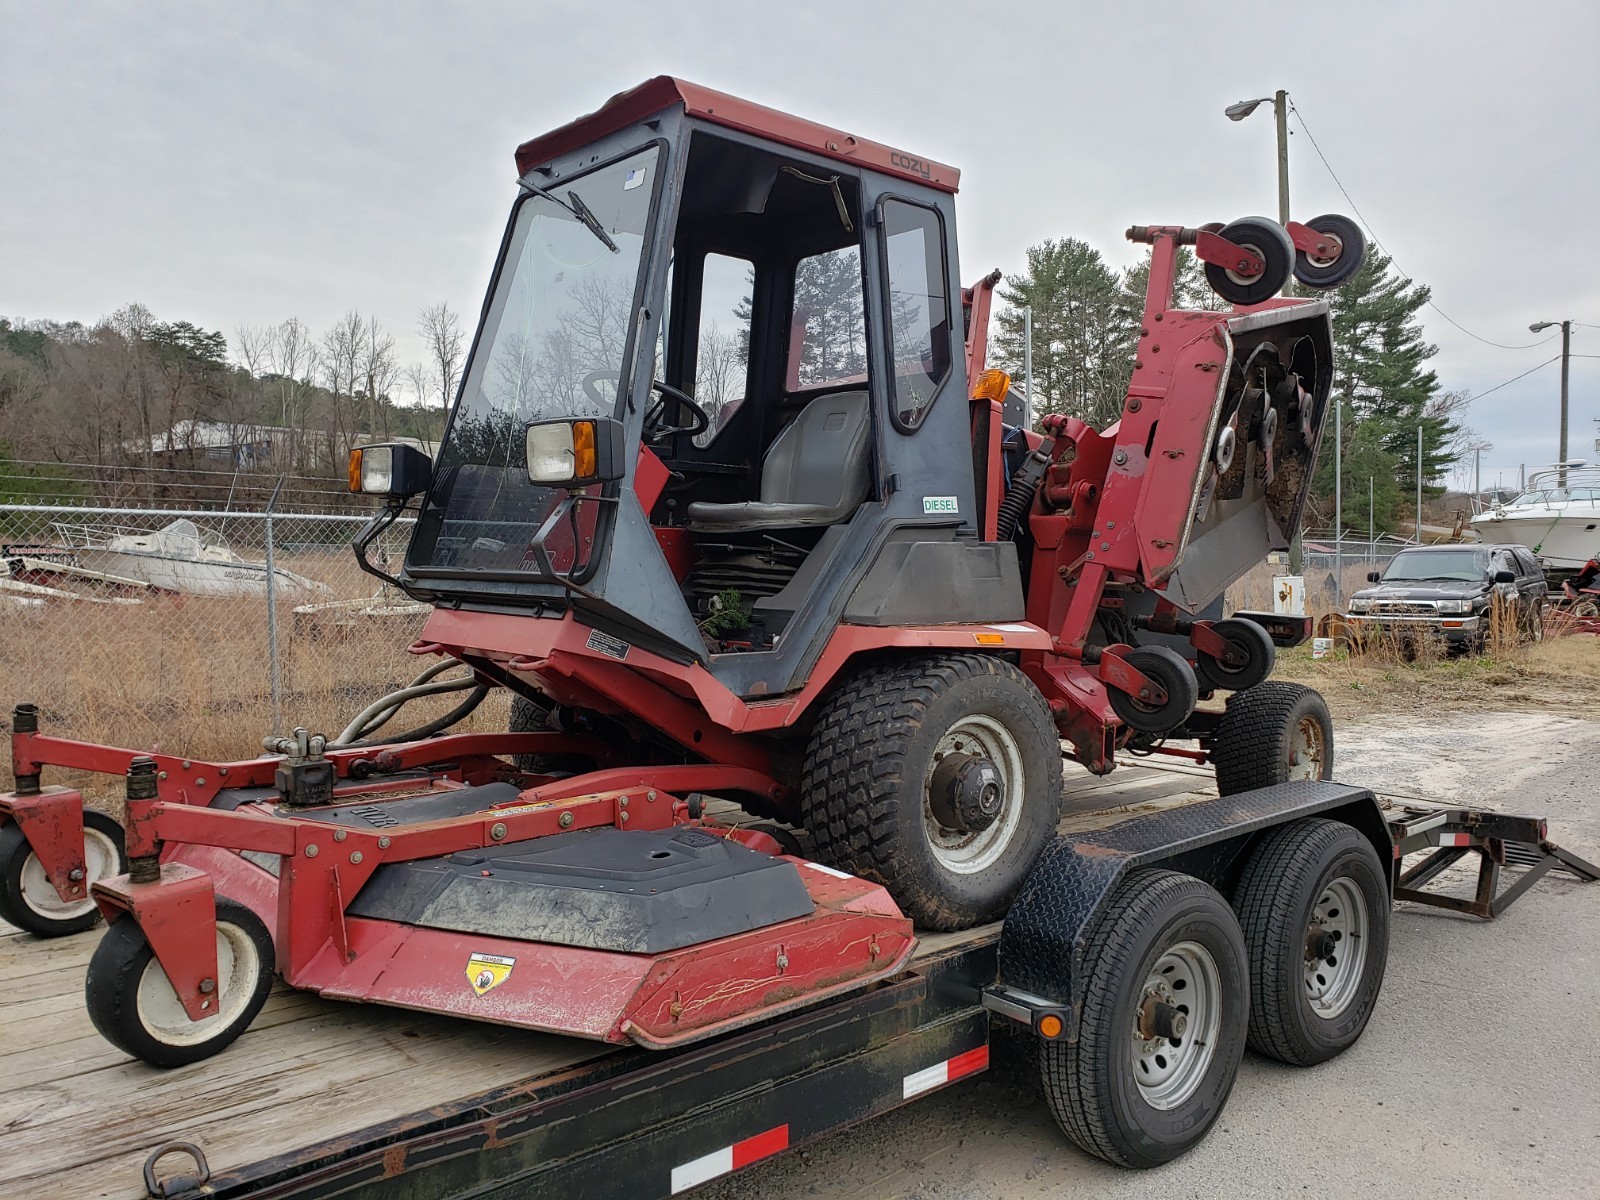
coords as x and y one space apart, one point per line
81 1116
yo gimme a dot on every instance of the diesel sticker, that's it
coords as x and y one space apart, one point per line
939 504
604 643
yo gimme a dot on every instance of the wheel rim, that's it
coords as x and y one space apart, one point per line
1338 246
100 861
1336 948
1307 749
1168 1070
1247 280
238 972
956 850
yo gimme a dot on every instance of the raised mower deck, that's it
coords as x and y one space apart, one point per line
318 1098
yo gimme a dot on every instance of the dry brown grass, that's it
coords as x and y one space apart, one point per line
192 677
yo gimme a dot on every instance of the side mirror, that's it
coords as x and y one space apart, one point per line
1504 577
572 454
1373 576
391 469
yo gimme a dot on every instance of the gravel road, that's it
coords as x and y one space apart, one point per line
1479 1074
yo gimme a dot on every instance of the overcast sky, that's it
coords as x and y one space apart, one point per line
231 163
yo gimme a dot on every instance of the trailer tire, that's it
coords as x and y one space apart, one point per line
1271 734
27 899
1162 940
1319 882
135 1008
870 769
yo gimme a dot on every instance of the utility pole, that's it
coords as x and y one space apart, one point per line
1027 367
1280 109
1419 485
1338 499
1477 465
1566 359
1372 529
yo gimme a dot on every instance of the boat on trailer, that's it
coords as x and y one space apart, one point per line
1557 516
181 557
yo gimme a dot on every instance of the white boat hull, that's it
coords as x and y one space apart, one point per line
194 577
1561 540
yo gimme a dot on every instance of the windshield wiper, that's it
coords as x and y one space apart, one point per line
577 208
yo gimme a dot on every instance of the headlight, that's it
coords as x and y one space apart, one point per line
1455 608
393 469
575 453
1359 605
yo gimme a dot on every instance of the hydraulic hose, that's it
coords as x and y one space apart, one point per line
1019 495
437 725
380 711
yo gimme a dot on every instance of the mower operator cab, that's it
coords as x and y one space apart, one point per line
717 403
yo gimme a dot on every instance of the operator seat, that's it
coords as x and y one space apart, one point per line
815 472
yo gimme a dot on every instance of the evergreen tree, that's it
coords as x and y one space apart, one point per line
1083 335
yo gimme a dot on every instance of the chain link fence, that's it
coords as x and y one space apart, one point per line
198 632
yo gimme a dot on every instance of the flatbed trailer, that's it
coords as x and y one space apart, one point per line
323 1099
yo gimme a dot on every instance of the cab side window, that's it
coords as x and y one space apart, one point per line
919 308
722 349
828 331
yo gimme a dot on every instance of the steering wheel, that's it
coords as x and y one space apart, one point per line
655 424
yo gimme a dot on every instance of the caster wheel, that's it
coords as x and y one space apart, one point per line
133 1004
1331 272
1265 238
1175 676
27 898
1251 655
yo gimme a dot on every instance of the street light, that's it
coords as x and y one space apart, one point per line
1280 108
1566 355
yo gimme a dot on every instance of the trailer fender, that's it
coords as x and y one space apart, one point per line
1046 932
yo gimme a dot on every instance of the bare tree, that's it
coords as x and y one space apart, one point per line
339 360
419 379
379 370
441 331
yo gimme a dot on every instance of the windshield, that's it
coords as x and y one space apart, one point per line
1435 565
551 346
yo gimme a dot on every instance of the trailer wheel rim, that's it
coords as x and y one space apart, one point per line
959 851
1336 948
238 971
1307 749
100 860
1169 1070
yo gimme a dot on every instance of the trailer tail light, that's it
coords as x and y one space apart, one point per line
575 453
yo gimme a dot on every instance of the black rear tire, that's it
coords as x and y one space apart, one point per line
26 898
864 795
1271 734
134 1007
1102 1089
528 717
1313 882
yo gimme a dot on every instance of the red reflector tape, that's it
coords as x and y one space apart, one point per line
729 1158
1453 839
945 1072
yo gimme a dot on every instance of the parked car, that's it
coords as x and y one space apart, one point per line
1447 591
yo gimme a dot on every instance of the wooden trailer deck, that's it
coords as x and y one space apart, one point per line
78 1117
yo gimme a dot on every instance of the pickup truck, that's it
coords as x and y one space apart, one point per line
1447 592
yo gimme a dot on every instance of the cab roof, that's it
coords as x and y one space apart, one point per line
662 92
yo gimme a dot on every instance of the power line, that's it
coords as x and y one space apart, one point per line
1514 378
1371 233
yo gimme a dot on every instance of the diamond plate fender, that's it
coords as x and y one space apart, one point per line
1046 933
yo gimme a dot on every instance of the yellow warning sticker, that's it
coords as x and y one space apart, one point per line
486 971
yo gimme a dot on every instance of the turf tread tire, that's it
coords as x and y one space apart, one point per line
1078 1077
1251 749
859 754
1282 879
